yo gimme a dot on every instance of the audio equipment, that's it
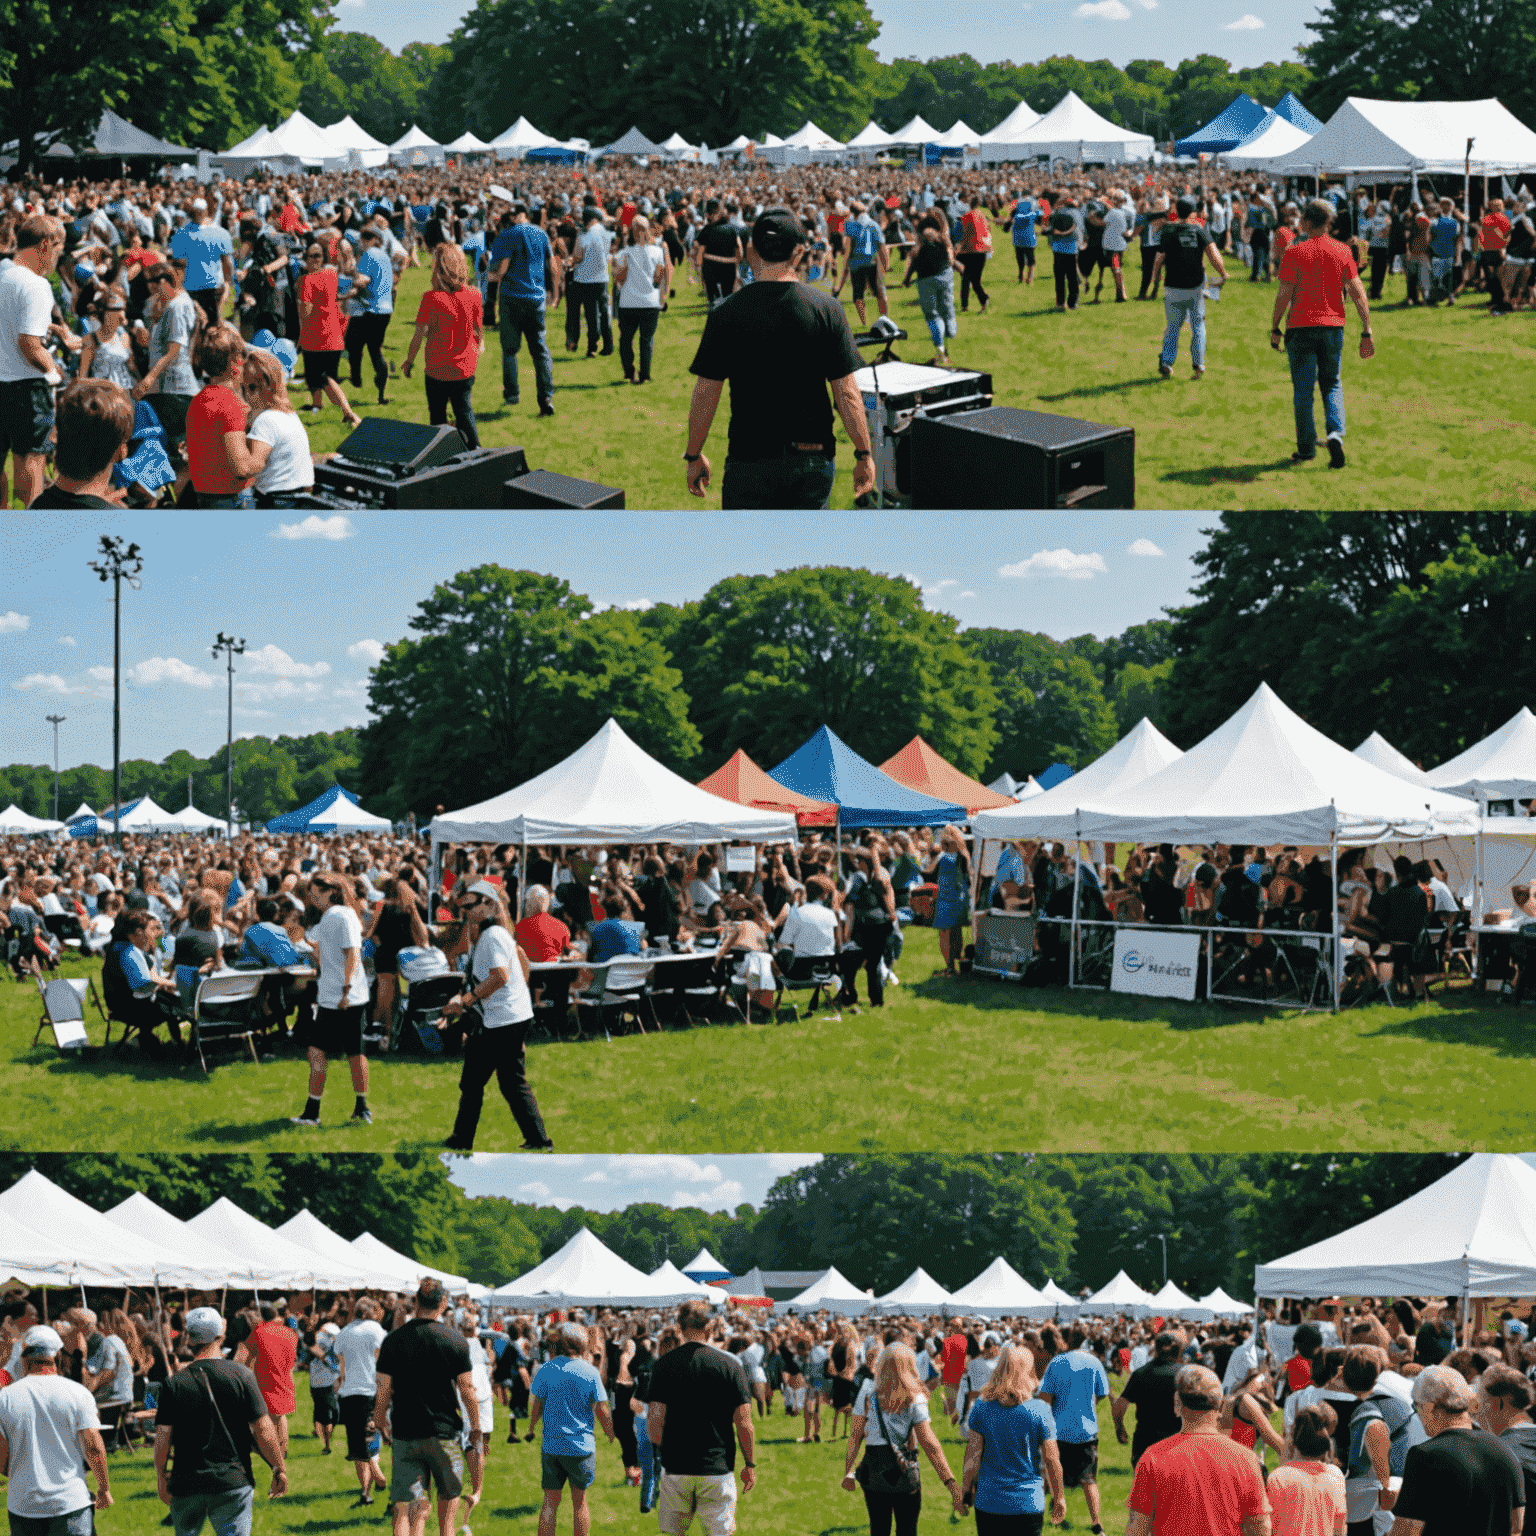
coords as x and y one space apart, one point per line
542 488
894 392
469 479
1011 459
384 446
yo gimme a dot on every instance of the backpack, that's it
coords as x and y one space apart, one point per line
1397 1416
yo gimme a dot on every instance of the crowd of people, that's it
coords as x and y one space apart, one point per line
118 280
1370 1417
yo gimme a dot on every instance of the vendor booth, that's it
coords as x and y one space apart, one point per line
832 1292
587 1273
919 1294
827 768
1000 1291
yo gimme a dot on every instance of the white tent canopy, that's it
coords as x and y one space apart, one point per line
750 1285
1063 1301
414 147
1004 142
610 791
83 813
39 1259
266 148
831 1292
345 815
146 816
1141 752
1120 1295
305 1230
1172 1302
190 819
1501 766
1072 130
919 1292
1273 138
676 144
705 1263
1223 1305
1000 1291
809 136
256 1243
1392 138
467 144
350 137
1471 1233
307 141
871 136
1378 750
370 1249
1264 777
587 1273
216 1265
916 130
959 135
13 820
514 142
668 1276
245 143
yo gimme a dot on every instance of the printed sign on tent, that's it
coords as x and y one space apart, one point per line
1155 964
740 861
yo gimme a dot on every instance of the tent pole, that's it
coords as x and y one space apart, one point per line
522 878
1077 878
1477 873
1333 881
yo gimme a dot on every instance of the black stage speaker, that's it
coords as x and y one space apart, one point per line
400 447
471 478
1010 459
544 489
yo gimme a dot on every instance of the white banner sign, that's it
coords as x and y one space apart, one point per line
1155 964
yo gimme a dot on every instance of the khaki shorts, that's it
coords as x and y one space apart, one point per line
684 1495
419 1464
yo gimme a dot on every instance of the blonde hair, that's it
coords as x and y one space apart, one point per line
264 378
1013 1377
450 271
896 1380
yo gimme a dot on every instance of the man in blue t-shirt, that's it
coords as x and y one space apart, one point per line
1071 1387
1445 242
566 1392
523 264
868 257
1026 215
375 283
210 257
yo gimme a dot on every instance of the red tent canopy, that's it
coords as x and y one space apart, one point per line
919 767
741 780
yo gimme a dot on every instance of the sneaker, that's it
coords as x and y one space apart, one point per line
1165 370
362 1116
1302 458
1335 453
1199 373
305 1121
453 1144
537 1146
546 408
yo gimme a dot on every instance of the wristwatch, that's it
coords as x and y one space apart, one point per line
692 458
1364 335
749 1466
863 453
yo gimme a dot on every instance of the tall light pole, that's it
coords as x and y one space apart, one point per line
118 563
1164 1241
229 648
55 721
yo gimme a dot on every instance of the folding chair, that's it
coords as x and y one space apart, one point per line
1453 952
691 984
815 974
232 997
414 1028
64 1010
625 987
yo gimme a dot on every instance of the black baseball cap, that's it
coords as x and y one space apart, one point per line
1186 206
775 234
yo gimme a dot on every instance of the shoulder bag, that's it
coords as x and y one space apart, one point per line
888 1469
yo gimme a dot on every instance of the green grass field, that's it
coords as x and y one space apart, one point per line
966 1064
1442 417
799 1488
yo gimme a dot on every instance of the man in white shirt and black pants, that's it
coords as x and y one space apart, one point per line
28 373
341 994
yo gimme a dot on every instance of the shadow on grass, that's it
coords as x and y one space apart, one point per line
1225 474
1508 1031
993 997
514 1511
1093 391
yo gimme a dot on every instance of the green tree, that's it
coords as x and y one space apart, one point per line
767 660
1051 706
356 73
1138 693
266 780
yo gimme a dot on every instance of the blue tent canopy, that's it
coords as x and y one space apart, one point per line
85 827
1053 775
297 821
1226 130
827 768
1291 109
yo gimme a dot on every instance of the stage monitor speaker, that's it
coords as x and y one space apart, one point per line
1008 459
542 488
400 447
471 479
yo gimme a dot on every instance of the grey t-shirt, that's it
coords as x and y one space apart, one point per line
177 324
900 1423
593 265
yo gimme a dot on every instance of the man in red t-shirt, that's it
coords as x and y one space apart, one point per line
1198 1482
1315 274
271 1351
1494 233
956 1352
543 937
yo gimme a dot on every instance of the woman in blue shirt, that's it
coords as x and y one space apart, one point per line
1011 1453
952 869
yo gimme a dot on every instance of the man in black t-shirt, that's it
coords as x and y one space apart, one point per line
1408 908
1150 1391
779 343
210 1414
720 254
1182 250
700 1410
1462 1481
424 1371
94 422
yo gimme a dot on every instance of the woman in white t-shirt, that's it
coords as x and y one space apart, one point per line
341 994
275 437
499 970
643 272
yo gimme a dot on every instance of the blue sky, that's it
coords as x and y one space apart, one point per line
315 600
610 1182
1024 31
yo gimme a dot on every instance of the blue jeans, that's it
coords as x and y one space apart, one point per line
229 1513
798 481
936 298
1316 353
1180 305
522 318
650 1471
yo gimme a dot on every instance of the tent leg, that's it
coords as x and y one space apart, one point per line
1077 881
1336 959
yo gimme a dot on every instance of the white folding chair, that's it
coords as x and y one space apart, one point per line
234 994
625 988
64 1010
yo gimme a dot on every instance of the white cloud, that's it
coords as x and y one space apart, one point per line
722 1197
275 662
787 1162
48 682
1248 23
101 674
66 639
283 688
248 714
11 622
367 650
683 1170
967 594
1057 562
349 5
313 527
1104 10
1143 547
169 669
638 604
1147 5
534 1190
596 1178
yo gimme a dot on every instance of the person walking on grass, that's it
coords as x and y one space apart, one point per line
210 1414
1071 1388
1315 275
341 994
528 283
272 1352
566 1392
357 1354
1183 249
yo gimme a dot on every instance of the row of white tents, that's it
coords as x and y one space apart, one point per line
144 817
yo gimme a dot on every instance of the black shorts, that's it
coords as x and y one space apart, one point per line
325 1401
318 367
1088 259
835 240
1079 1461
26 417
842 1393
171 412
1110 260
386 962
207 300
356 1410
338 1031
1025 255
867 279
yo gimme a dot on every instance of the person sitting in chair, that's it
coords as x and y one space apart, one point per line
135 992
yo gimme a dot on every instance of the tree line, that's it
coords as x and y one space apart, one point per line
1076 1219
